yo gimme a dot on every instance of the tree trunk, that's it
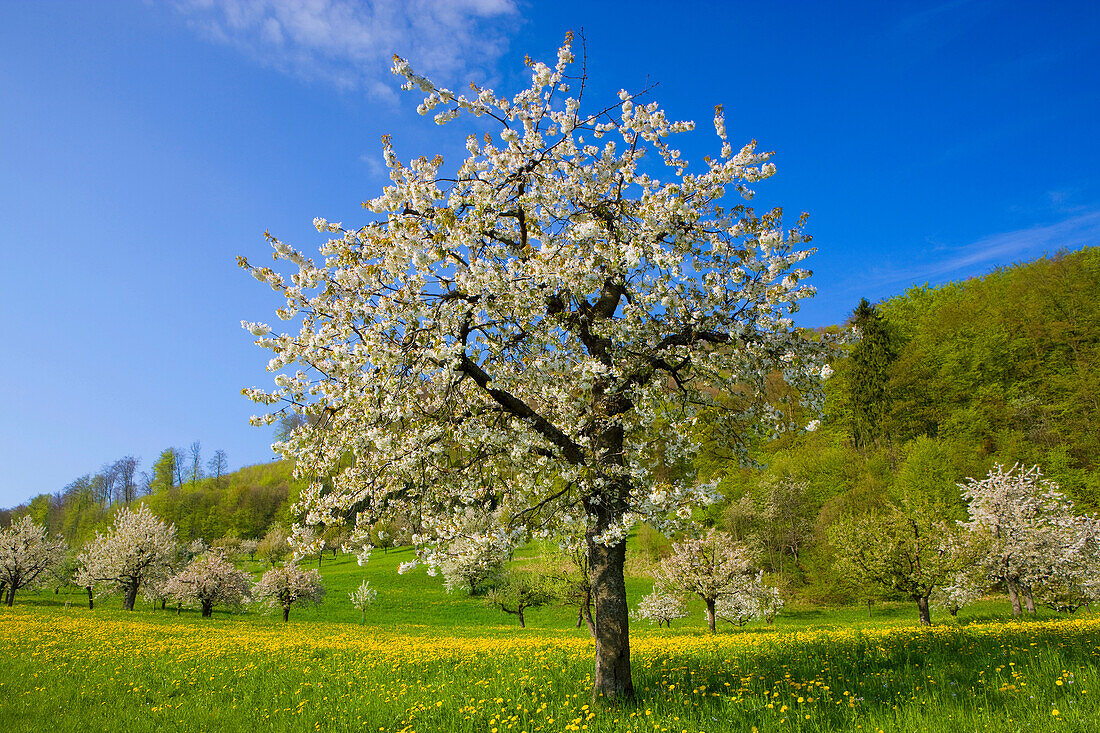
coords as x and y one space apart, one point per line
91 598
11 596
710 614
1013 596
1029 601
925 614
130 596
207 609
286 613
954 611
869 604
612 624
519 613
163 603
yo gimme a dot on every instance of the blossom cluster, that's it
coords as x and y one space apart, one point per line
138 549
27 554
513 331
661 608
1038 543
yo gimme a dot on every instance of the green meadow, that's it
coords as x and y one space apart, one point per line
426 660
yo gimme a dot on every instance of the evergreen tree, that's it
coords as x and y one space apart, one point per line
868 377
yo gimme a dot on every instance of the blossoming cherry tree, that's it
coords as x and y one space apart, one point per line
509 332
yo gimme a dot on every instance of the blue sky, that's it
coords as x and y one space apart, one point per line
144 145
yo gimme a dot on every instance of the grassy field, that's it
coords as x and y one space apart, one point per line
429 661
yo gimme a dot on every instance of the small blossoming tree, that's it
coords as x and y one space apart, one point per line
283 587
1037 541
511 330
362 597
136 549
711 567
749 598
209 580
27 554
661 608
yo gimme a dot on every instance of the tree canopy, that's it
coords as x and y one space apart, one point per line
510 332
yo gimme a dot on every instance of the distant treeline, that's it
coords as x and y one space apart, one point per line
203 499
1003 368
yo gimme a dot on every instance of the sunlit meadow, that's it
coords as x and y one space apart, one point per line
428 661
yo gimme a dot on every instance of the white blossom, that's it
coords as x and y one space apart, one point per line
712 566
209 580
511 330
285 586
362 597
137 548
1039 545
27 554
661 608
748 598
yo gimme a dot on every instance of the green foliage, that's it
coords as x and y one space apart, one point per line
243 504
517 593
1006 367
868 376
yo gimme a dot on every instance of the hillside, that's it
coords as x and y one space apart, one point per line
1003 368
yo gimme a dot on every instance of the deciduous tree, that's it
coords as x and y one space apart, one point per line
209 580
136 548
517 592
661 607
511 331
362 597
711 566
27 553
749 598
287 585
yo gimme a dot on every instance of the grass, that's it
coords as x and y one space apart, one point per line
429 661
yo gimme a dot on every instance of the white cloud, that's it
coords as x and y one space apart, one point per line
350 43
996 250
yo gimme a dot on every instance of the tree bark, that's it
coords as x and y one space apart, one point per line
1029 601
710 614
207 609
130 597
286 613
612 679
586 611
11 596
519 613
1013 596
91 598
925 614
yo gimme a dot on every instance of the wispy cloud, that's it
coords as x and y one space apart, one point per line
998 249
349 43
